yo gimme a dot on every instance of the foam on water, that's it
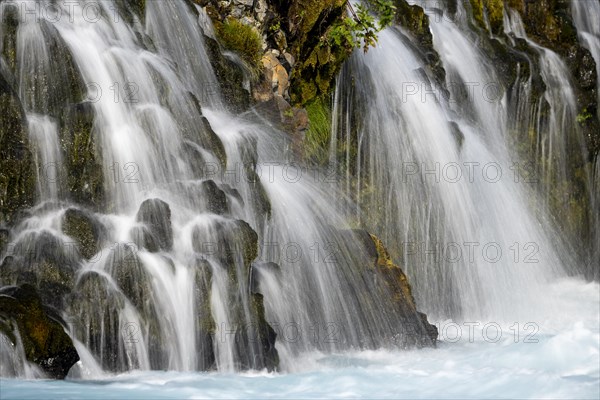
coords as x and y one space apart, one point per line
561 360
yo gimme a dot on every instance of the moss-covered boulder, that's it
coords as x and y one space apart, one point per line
41 330
155 214
17 171
82 156
85 229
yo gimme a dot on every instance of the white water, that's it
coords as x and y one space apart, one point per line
563 363
449 193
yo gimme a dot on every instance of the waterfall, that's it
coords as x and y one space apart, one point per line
174 234
449 193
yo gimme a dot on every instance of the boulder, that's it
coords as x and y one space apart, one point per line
44 261
42 332
215 199
155 214
85 229
391 283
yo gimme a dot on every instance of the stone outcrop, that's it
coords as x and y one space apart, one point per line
41 330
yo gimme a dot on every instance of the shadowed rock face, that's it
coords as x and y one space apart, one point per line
40 328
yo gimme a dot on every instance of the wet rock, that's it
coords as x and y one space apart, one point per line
260 271
48 90
17 171
41 330
388 281
44 261
130 275
417 331
258 337
230 76
235 246
205 324
214 198
4 238
144 239
82 156
87 231
95 307
156 215
9 25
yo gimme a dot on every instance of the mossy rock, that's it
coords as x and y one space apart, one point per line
131 8
17 171
96 307
4 240
44 261
214 198
41 330
9 25
230 77
392 283
82 156
87 231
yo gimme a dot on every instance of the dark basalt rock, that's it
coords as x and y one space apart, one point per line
41 330
156 215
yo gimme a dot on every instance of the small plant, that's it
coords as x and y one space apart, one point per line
275 27
583 116
360 28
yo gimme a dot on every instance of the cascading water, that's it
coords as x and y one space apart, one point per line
155 297
451 202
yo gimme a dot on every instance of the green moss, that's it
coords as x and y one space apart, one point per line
242 39
318 135
493 9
